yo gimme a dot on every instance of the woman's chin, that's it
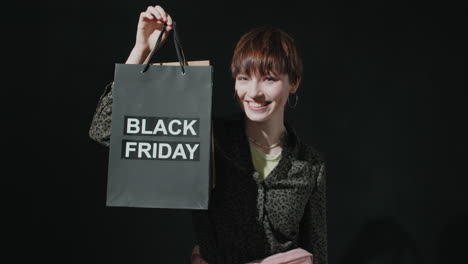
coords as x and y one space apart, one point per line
257 117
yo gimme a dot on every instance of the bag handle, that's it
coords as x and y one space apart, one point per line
178 46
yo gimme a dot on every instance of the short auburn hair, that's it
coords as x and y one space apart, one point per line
266 49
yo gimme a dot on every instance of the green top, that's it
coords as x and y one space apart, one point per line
263 163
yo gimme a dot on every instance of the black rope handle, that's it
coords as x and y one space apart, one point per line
179 50
178 46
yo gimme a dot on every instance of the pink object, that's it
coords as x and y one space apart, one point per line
294 256
196 257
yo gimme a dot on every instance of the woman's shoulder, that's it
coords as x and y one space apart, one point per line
309 153
303 150
313 154
313 159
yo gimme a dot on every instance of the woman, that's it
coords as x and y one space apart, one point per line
269 203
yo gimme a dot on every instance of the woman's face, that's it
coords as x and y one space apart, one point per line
263 98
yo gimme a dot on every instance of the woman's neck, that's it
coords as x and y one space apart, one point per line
266 133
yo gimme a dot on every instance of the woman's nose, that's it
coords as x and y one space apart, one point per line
254 90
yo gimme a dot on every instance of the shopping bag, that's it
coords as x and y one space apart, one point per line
160 147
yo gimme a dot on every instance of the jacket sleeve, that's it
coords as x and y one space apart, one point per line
313 227
100 129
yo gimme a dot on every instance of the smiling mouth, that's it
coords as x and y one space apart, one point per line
255 104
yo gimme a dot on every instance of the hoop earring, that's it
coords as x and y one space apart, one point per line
295 101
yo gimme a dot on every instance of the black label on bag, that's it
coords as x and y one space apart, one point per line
160 150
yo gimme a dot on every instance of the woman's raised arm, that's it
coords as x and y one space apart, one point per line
149 28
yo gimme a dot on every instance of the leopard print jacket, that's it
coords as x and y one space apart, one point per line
250 218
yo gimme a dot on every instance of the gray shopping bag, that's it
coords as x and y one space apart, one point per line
160 148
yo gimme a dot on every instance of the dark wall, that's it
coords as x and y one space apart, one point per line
381 98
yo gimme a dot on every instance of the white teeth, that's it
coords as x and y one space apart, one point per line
256 104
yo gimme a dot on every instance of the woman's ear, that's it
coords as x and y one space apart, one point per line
295 86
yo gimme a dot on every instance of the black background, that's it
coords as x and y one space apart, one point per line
382 98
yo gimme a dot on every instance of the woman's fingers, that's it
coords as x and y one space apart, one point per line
162 12
146 15
156 13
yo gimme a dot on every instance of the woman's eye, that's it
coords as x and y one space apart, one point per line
242 78
270 79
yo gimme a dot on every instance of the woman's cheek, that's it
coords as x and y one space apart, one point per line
283 98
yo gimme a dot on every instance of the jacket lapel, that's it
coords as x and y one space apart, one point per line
233 143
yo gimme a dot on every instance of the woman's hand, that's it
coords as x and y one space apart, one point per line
149 28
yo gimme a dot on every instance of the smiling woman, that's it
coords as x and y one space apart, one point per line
269 201
267 68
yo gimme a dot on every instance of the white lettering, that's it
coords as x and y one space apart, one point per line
161 150
171 130
133 126
189 126
143 128
179 151
160 127
128 148
144 147
192 150
161 153
155 147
